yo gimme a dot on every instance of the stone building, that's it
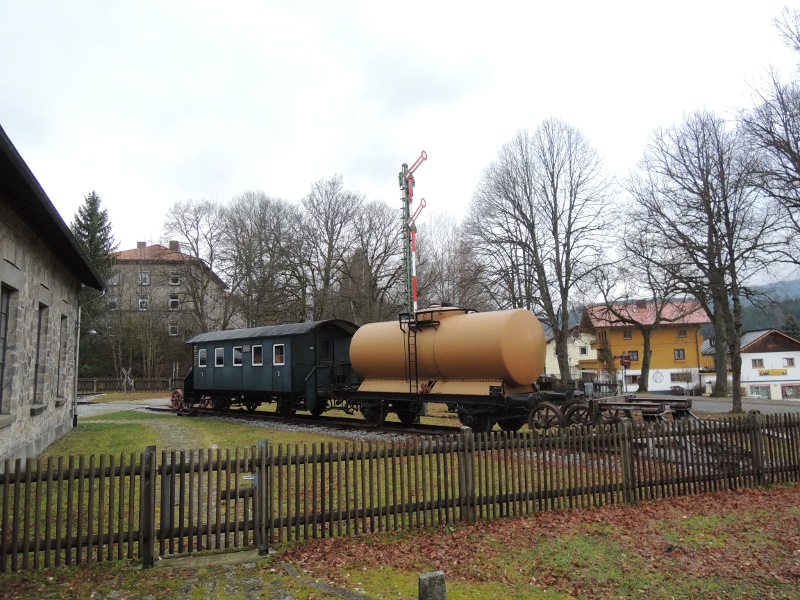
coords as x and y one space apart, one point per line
42 269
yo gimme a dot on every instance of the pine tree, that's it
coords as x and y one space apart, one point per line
92 229
791 327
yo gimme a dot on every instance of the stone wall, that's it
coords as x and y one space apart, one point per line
37 405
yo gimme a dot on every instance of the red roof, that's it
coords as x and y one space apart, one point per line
672 313
153 252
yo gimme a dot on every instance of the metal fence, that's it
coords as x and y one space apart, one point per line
78 509
97 385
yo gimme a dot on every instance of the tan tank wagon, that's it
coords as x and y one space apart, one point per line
475 362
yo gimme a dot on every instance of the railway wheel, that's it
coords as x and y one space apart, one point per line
251 405
374 415
611 417
578 415
404 412
512 423
222 405
545 417
285 409
319 408
177 400
479 422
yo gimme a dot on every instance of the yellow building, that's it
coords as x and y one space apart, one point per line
675 344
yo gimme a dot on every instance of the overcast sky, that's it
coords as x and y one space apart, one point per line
153 102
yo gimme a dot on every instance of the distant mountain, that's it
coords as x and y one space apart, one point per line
781 290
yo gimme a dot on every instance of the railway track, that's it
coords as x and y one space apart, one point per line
330 422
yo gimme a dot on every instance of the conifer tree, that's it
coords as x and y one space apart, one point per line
92 228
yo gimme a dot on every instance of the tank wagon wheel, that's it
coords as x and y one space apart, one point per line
374 415
319 408
578 415
177 399
545 417
407 416
479 423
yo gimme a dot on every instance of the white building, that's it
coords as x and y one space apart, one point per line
771 365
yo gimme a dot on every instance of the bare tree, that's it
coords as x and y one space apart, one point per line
773 128
706 225
638 291
329 211
260 259
199 227
448 267
371 275
540 214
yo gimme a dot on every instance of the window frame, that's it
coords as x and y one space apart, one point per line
144 277
174 300
275 362
788 362
633 355
679 354
260 353
757 363
202 358
627 333
219 357
144 302
234 362
174 278
170 327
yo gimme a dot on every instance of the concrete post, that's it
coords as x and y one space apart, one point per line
432 586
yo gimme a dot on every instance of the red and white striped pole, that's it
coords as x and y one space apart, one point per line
412 226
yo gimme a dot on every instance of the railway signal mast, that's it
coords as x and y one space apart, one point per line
406 179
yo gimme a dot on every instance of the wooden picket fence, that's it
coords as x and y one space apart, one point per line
67 511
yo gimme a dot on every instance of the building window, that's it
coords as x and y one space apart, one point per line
278 356
602 335
758 363
5 320
788 361
202 357
584 351
144 278
144 302
681 377
219 357
174 279
62 358
173 330
174 302
680 354
114 279
627 334
41 350
112 302
681 332
258 356
633 355
237 356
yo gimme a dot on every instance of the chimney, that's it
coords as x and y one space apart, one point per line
174 246
141 245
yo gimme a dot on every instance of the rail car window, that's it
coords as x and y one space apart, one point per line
219 357
237 356
278 357
258 356
326 351
202 357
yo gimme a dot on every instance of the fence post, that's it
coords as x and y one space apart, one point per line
262 499
757 449
466 475
625 429
432 586
148 511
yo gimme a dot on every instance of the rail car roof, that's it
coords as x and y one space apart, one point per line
286 330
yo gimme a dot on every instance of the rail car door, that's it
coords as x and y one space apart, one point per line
281 365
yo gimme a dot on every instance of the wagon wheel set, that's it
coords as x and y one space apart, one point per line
547 416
